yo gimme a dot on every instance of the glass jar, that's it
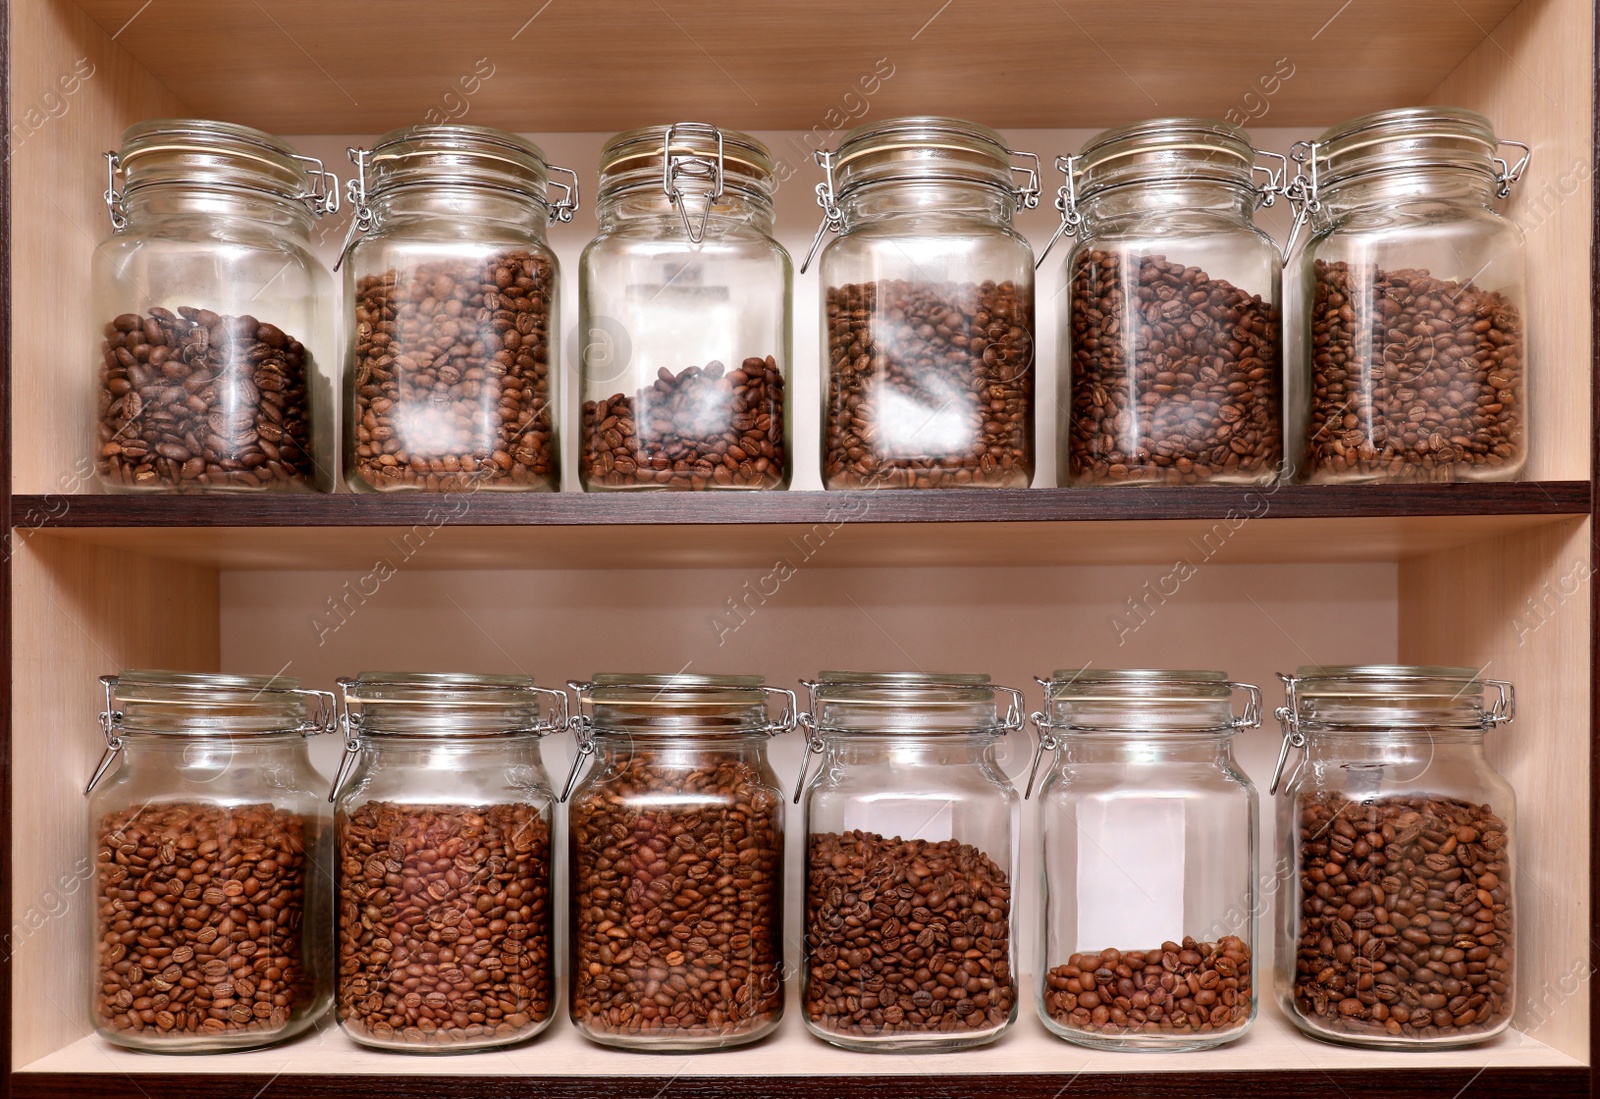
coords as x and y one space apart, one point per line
217 315
676 862
685 299
911 862
1149 844
212 926
443 817
452 361
927 326
1412 292
1396 916
1172 329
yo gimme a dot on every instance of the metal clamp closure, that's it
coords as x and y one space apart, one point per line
1509 174
1302 190
1027 195
582 726
110 722
695 168
350 723
360 209
323 197
1277 177
564 207
1067 203
832 216
115 205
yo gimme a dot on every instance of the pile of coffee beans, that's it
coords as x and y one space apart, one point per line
1175 380
677 902
906 937
192 401
1181 989
444 923
200 916
1405 925
930 385
1413 378
451 389
705 427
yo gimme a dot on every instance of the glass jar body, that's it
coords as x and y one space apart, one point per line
445 885
213 916
910 926
1396 914
676 863
686 359
1149 891
928 333
217 329
1172 336
1412 294
452 364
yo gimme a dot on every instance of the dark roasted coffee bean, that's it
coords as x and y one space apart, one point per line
1413 378
1206 989
1175 380
200 911
703 428
930 385
945 969
450 388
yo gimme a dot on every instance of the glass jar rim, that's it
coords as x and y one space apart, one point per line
1165 150
918 149
150 702
680 704
910 704
1146 701
632 160
198 152
1403 139
444 705
457 155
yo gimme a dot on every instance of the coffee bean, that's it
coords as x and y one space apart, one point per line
1399 861
193 401
1175 380
451 388
172 965
930 385
1413 378
705 427
677 910
946 966
444 923
1186 988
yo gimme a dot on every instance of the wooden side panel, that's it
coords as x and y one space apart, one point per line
1534 76
78 611
1518 608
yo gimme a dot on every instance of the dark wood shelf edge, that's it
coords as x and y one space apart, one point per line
695 509
1461 1083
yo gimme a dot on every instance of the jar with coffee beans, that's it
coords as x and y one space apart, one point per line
927 312
215 316
675 858
442 820
684 302
910 926
1412 292
1171 334
452 363
1149 845
1396 909
212 863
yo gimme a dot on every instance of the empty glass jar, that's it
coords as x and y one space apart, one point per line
676 862
452 359
217 317
685 300
1396 904
911 862
212 924
1149 842
445 861
927 326
1171 333
1412 297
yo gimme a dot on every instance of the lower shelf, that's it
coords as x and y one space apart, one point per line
1028 1063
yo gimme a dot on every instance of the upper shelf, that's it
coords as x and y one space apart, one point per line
308 66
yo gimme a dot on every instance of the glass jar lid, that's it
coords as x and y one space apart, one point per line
686 159
910 704
446 705
1412 137
679 705
198 153
912 150
1146 700
1161 150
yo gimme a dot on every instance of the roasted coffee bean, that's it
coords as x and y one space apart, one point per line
444 923
1175 380
1413 378
703 428
677 902
944 967
451 387
1442 966
193 401
930 385
1186 988
200 916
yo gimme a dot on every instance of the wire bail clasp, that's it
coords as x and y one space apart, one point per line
562 209
582 725
1509 174
1288 716
349 721
322 198
1067 203
360 209
115 206
832 216
111 726
1302 191
694 168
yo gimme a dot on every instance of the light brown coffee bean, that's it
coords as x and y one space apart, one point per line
1187 988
